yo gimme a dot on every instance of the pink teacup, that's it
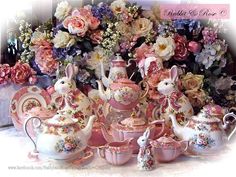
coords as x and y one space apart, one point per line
117 153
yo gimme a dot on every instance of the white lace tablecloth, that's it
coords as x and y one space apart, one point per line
14 147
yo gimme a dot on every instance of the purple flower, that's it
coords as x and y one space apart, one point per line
209 35
190 24
62 53
102 11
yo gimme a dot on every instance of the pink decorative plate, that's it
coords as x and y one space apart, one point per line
25 99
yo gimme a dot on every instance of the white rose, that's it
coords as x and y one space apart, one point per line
164 47
141 26
38 36
63 10
63 39
118 6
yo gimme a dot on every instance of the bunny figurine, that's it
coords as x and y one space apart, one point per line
145 158
74 102
171 100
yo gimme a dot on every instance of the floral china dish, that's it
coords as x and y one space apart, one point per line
205 133
117 153
24 100
167 149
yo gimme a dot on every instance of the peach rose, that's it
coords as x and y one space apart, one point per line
141 26
192 81
143 52
76 25
21 72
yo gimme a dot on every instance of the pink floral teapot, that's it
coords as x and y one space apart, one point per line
205 133
123 94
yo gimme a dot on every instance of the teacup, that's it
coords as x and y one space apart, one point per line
116 153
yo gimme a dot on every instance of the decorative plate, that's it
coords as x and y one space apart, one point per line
25 99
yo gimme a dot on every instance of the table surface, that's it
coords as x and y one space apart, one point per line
15 147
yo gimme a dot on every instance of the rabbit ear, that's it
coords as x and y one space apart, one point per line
174 73
75 69
69 71
147 133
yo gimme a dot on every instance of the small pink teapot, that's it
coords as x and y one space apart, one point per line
167 149
123 94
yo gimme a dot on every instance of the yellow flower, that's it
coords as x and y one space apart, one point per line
141 26
63 39
192 81
118 6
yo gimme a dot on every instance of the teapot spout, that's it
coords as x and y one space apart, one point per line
178 129
87 131
106 134
106 81
103 95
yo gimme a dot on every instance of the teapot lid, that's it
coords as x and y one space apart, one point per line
204 116
133 121
124 81
214 110
165 141
61 120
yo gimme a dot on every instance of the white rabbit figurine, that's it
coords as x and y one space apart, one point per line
145 158
75 102
172 100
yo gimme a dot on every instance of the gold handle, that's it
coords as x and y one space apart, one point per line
146 89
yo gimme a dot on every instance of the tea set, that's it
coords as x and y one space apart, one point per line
59 135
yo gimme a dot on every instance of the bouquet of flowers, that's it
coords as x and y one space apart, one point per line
92 34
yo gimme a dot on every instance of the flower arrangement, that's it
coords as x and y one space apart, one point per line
92 34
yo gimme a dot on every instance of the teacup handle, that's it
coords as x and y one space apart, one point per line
35 126
146 89
184 146
162 122
231 114
101 152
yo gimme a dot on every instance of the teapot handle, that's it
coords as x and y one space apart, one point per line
162 122
35 126
184 145
101 152
231 114
146 89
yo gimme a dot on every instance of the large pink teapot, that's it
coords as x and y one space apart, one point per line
132 127
122 94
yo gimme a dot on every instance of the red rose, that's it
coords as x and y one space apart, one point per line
96 36
4 73
21 72
181 49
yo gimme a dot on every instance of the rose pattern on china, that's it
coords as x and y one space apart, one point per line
68 144
126 95
202 141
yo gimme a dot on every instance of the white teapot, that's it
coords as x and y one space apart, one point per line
205 133
59 137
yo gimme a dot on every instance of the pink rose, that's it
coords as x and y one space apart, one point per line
96 36
181 49
93 22
143 52
44 58
194 47
76 25
5 71
21 72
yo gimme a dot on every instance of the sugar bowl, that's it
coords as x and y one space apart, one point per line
167 149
